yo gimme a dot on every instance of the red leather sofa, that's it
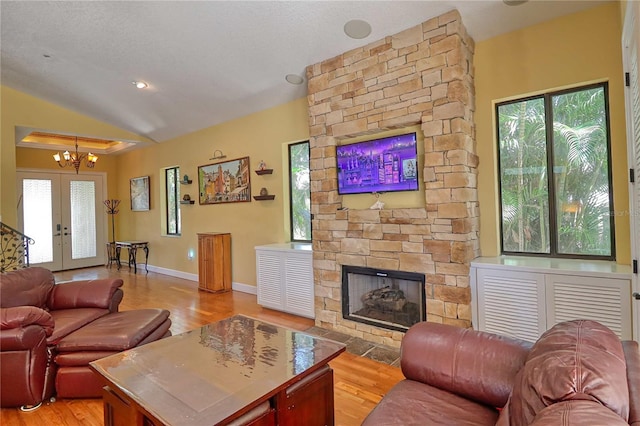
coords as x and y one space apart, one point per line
50 332
577 373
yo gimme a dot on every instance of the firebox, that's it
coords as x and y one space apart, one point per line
390 299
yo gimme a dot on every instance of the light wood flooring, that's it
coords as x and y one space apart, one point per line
359 382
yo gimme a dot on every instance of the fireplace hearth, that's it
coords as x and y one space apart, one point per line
394 300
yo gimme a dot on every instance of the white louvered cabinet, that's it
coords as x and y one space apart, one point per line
522 297
512 304
285 278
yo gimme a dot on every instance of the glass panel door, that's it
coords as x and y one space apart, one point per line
81 215
61 213
40 218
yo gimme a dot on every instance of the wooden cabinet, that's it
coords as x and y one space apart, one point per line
214 262
285 278
523 297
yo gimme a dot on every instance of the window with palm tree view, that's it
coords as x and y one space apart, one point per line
568 212
299 192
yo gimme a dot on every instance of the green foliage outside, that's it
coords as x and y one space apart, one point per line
580 186
300 192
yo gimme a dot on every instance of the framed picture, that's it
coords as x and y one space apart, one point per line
225 182
139 189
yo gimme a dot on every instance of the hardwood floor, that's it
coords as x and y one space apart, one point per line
359 382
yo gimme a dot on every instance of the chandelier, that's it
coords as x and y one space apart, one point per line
75 159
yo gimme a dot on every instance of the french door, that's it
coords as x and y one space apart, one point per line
631 60
63 213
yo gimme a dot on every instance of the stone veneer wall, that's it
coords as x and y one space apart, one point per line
420 76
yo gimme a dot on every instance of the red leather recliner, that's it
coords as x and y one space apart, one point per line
35 315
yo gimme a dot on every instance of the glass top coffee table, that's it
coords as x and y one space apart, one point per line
221 372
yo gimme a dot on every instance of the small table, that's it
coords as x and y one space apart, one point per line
221 372
132 247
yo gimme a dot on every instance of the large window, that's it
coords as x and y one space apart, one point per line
299 192
566 213
172 179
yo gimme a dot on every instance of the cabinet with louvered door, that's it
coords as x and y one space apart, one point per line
285 278
512 304
523 297
605 300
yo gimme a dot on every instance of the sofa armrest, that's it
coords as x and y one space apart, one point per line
23 316
474 364
632 357
84 294
22 338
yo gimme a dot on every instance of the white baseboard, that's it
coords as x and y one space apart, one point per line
170 272
244 288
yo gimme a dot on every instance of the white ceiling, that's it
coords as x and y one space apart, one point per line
206 62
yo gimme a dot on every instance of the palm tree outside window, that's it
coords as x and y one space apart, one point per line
566 212
299 192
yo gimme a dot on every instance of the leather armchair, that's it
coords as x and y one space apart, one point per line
577 373
35 315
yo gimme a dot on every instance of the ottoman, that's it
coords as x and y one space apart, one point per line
105 336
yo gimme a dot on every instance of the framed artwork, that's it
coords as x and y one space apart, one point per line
225 182
139 189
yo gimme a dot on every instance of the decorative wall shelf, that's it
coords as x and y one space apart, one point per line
263 197
186 182
187 201
264 172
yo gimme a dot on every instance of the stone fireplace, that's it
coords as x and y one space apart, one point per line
422 76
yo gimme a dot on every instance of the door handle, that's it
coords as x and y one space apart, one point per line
636 296
56 235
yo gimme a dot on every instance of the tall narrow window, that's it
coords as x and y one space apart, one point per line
172 179
299 192
565 213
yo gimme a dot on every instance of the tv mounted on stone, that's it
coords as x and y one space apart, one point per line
380 165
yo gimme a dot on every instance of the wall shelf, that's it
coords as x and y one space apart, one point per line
263 197
264 172
186 182
187 201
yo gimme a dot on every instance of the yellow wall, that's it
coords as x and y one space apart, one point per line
569 51
260 136
20 109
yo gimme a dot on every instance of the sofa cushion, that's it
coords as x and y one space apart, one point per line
84 294
70 320
414 403
632 356
473 364
26 287
574 360
118 331
577 413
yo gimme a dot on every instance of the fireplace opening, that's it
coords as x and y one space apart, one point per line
390 299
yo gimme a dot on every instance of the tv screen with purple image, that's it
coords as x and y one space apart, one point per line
381 165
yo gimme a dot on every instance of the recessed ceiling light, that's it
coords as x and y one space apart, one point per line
514 2
357 29
140 84
294 79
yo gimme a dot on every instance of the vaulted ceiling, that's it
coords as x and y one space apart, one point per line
206 62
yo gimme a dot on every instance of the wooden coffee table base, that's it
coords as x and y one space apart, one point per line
308 402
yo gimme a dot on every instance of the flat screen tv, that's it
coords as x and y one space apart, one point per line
380 165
